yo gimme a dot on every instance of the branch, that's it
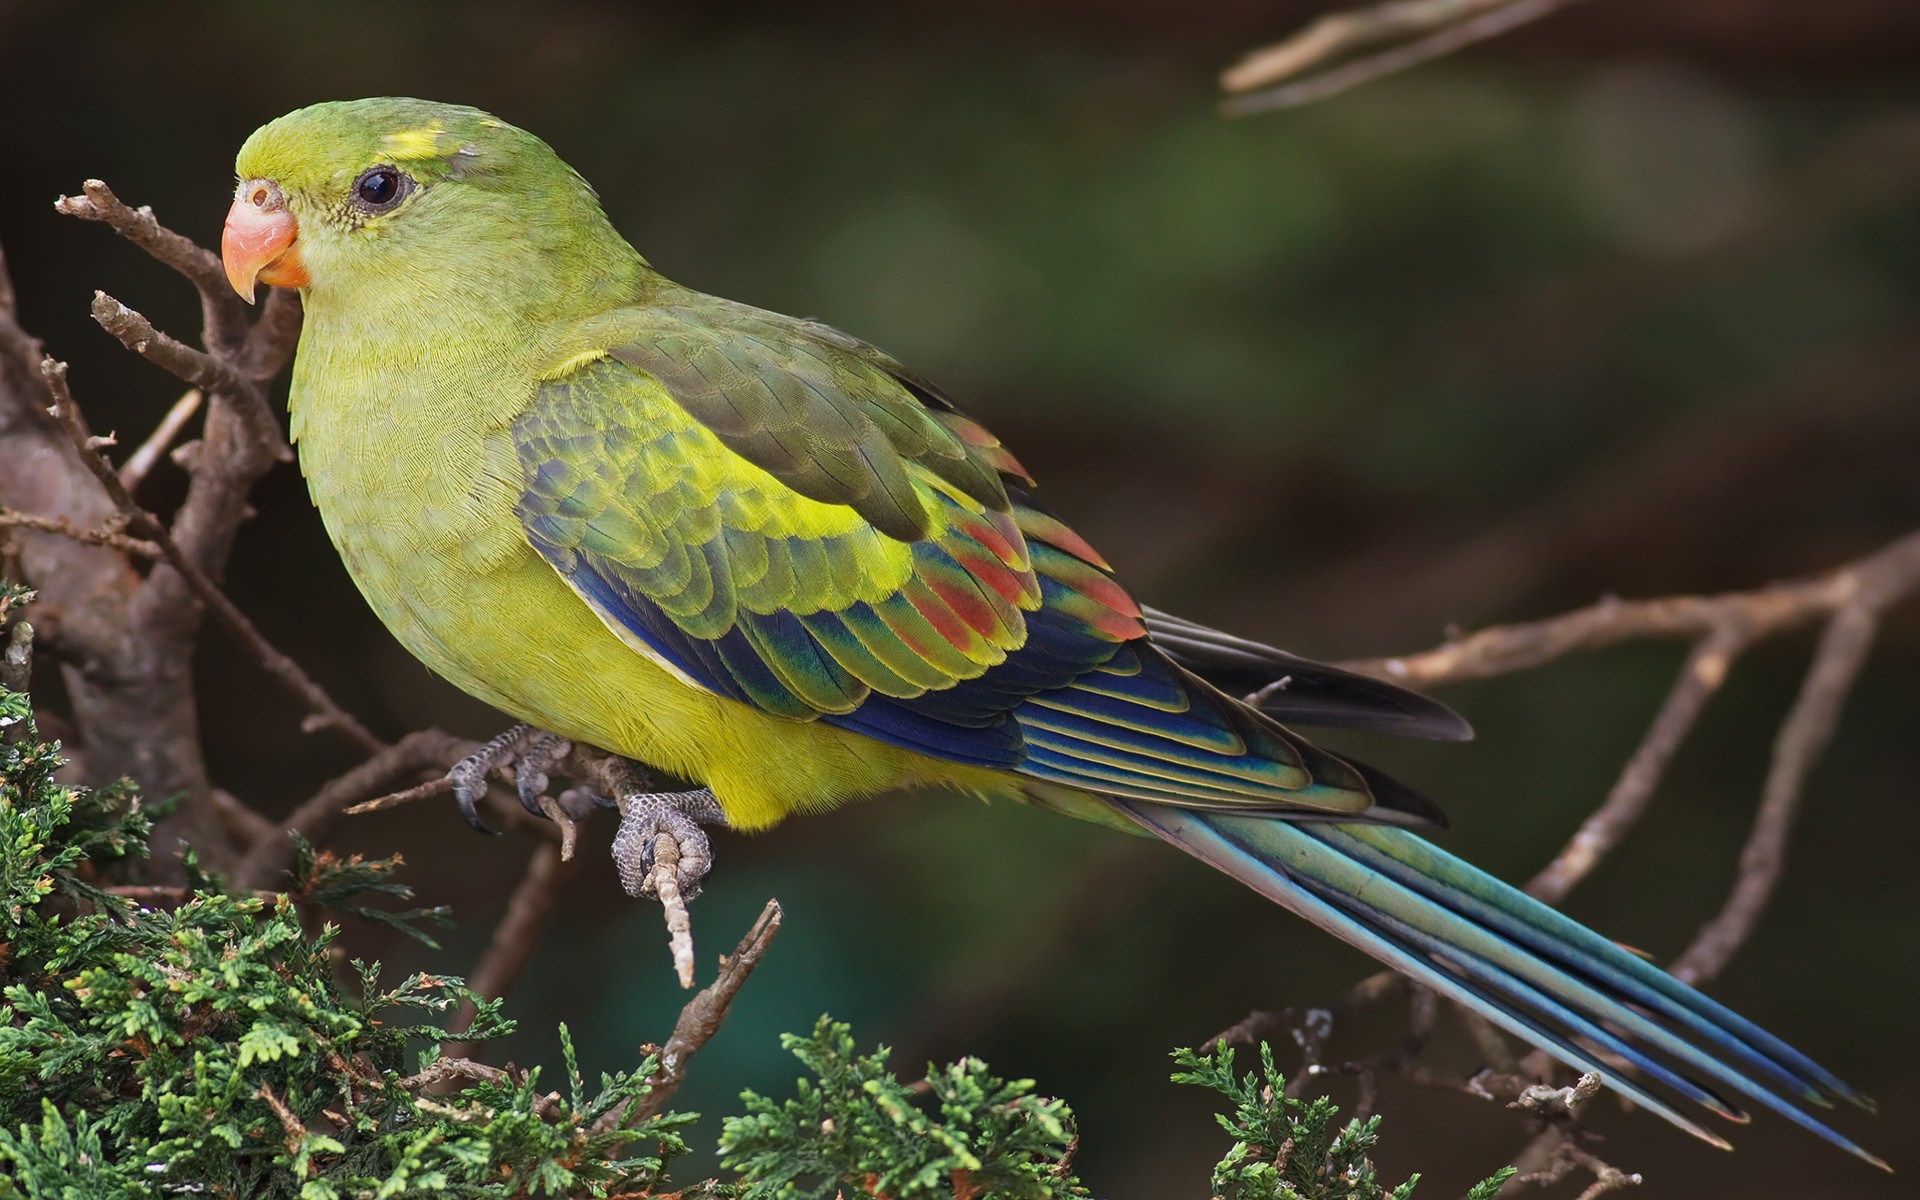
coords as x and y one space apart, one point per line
110 534
141 461
1503 649
1849 599
1700 677
424 750
1803 735
664 881
699 1020
224 313
1342 50
196 367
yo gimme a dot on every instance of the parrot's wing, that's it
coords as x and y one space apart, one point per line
784 516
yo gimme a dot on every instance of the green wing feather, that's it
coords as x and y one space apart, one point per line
781 519
789 518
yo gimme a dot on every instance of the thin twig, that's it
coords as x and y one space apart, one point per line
700 1018
223 312
1414 31
422 750
446 1069
326 713
110 534
142 460
197 367
424 791
1803 735
289 1123
1705 670
151 894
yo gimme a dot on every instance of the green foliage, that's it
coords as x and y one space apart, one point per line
211 1047
964 1132
1286 1149
324 879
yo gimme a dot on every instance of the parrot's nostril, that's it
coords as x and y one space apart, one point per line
259 197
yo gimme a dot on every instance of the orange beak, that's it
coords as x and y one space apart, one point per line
259 242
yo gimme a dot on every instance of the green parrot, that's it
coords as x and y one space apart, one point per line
758 554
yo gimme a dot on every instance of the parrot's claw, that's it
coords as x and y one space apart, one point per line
646 815
469 775
530 753
530 780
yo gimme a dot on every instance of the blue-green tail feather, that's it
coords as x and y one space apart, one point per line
1527 968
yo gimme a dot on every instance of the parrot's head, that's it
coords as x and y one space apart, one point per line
408 201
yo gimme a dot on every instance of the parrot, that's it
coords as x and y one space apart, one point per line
759 555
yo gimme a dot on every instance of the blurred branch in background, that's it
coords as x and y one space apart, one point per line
1345 49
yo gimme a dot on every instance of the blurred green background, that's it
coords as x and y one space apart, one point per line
1628 303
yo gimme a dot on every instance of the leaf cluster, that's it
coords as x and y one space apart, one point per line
214 1047
1286 1148
962 1132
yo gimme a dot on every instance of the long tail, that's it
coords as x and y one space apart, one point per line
1526 967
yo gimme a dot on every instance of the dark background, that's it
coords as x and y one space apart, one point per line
1625 303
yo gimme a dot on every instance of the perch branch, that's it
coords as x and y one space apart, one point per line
664 882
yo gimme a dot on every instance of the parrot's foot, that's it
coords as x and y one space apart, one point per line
645 816
530 752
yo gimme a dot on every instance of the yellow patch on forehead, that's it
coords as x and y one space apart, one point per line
413 143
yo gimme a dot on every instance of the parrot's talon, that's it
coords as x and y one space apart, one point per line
530 770
679 815
469 775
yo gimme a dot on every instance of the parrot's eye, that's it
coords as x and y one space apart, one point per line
380 189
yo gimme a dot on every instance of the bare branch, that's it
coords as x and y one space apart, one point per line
447 1069
141 461
664 881
1503 649
289 1123
1359 45
109 534
149 894
423 750
326 713
1803 735
424 791
271 341
196 367
699 1020
222 309
1705 670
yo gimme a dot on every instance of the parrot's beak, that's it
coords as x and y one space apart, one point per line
258 243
